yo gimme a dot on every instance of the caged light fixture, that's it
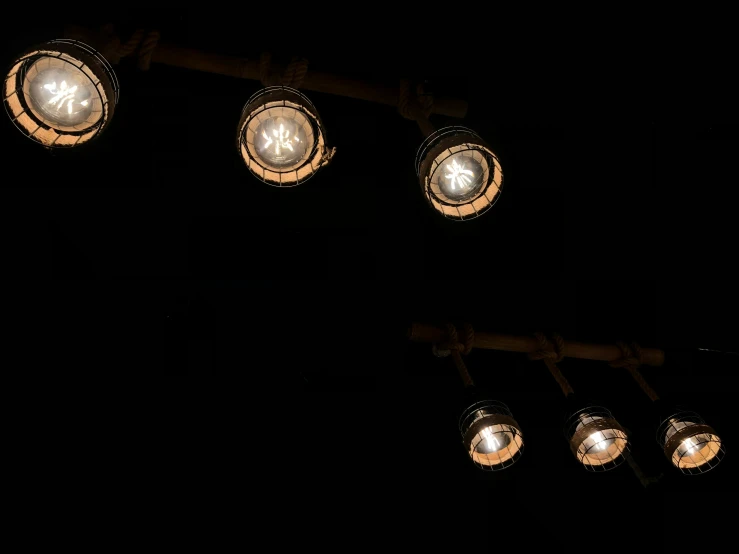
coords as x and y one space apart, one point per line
281 137
595 438
687 441
61 93
460 176
490 435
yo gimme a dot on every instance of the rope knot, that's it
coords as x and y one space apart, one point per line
293 76
295 72
547 351
265 67
416 106
453 343
146 50
130 46
631 359
141 41
551 354
453 347
631 356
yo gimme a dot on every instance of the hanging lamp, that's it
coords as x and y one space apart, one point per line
490 435
61 93
281 137
595 437
460 176
687 441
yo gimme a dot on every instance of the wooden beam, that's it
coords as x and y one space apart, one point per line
420 332
242 68
318 81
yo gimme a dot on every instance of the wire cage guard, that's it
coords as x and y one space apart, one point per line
459 174
88 71
490 435
281 137
596 439
689 443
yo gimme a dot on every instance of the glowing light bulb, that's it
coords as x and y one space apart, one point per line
281 141
460 176
600 440
699 450
62 94
597 442
690 446
492 440
491 443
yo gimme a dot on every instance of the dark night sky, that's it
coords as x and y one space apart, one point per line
235 354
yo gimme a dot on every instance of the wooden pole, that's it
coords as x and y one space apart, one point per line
317 81
420 332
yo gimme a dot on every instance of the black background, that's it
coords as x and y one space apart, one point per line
233 355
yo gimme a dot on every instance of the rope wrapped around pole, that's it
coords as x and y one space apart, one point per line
295 72
141 41
417 105
104 40
265 73
456 348
130 46
552 354
146 50
632 361
293 76
488 340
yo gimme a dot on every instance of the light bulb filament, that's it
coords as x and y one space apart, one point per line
61 96
458 175
690 446
269 140
280 138
491 441
600 441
